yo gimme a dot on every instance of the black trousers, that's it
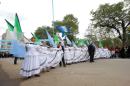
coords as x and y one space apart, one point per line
15 60
91 57
62 62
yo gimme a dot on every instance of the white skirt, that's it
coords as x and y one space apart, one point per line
30 66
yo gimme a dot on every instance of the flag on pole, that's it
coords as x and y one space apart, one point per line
50 39
63 30
17 29
10 34
10 26
100 44
73 44
81 42
36 38
56 39
68 41
87 42
17 24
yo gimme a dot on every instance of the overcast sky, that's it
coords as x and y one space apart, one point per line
35 13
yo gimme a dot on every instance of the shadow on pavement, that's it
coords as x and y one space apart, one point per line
5 80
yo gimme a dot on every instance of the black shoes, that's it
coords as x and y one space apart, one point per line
37 75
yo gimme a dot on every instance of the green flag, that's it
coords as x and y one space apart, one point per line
100 44
17 24
87 42
81 42
17 28
56 39
10 26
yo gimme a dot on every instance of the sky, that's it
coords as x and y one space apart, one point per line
36 13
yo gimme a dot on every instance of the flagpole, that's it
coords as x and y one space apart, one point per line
53 18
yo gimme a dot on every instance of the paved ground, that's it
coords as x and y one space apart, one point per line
104 72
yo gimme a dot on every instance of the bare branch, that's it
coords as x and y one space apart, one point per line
127 24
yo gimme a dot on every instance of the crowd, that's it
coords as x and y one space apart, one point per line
118 52
43 57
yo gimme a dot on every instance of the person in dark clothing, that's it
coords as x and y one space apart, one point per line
61 45
15 60
122 52
128 52
91 51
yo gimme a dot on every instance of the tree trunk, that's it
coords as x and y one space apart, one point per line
124 38
124 33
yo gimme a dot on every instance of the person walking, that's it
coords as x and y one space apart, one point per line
61 45
91 51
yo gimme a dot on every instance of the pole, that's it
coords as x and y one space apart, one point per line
53 16
53 10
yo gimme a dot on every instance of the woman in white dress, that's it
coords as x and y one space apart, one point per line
31 63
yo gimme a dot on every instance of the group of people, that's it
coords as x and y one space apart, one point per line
120 52
39 58
31 65
91 51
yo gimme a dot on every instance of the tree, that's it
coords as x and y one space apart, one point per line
127 3
91 33
98 33
117 42
112 17
41 33
70 22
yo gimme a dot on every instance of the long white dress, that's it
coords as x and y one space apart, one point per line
69 55
43 57
31 63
